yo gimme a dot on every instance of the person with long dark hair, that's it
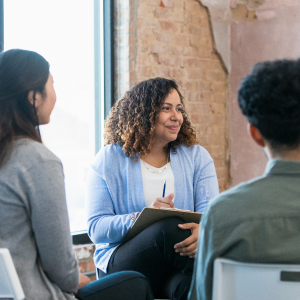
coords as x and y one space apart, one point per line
34 222
149 141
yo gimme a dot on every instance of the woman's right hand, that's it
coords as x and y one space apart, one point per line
165 202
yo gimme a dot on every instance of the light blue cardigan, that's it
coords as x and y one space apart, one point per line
115 190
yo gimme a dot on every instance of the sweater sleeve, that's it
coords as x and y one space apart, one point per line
50 224
104 225
206 186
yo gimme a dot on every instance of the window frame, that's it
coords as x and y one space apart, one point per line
1 25
104 84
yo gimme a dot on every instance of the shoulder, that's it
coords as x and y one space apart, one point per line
30 152
109 155
30 159
110 151
194 150
198 154
236 204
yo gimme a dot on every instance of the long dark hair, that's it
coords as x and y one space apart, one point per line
21 71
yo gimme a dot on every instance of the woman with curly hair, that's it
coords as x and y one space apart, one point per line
149 141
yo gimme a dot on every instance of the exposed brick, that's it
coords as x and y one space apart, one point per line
82 267
191 97
165 37
162 13
220 163
201 130
150 3
217 108
177 50
192 18
218 86
143 47
181 39
177 74
189 86
90 266
219 97
191 5
203 142
158 49
172 39
216 130
167 3
168 26
203 86
192 29
145 34
145 10
151 23
142 59
205 53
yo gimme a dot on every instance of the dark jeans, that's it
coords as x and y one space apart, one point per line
152 253
125 285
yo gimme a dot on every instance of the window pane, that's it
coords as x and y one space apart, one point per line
63 32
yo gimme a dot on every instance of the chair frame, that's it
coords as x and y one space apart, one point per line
10 286
247 281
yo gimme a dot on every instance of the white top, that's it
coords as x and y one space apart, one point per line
153 183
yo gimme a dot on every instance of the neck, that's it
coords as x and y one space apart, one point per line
283 154
157 157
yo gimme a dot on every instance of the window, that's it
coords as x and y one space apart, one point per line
71 36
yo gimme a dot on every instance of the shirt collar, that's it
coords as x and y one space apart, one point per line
278 166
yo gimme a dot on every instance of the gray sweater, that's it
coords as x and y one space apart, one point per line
34 223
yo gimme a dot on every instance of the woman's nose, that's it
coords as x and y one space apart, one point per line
175 114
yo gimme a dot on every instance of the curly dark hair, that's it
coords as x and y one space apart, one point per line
131 123
269 97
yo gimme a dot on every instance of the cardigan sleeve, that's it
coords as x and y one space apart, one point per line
206 182
104 225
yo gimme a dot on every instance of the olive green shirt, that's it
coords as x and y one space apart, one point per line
257 221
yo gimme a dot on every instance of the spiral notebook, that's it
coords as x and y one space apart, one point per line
149 216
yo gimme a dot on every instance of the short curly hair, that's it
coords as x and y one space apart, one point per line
269 97
131 123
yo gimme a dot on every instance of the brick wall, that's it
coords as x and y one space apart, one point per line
173 39
84 254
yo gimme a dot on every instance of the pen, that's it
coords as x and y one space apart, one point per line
164 189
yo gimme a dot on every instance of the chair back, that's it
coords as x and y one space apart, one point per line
234 280
10 286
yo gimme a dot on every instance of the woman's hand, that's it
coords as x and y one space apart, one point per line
188 247
83 281
163 202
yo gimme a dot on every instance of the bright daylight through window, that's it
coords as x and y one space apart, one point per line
63 32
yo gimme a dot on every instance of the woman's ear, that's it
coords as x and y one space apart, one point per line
256 135
35 98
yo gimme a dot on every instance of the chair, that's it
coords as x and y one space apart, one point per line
248 281
10 286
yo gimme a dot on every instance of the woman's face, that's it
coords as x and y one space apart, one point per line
169 119
45 105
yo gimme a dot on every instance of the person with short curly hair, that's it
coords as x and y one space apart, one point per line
259 221
150 143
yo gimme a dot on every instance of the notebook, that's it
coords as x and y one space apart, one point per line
151 215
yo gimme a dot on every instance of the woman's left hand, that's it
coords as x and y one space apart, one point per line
188 247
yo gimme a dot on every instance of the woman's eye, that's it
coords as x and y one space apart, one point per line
165 108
